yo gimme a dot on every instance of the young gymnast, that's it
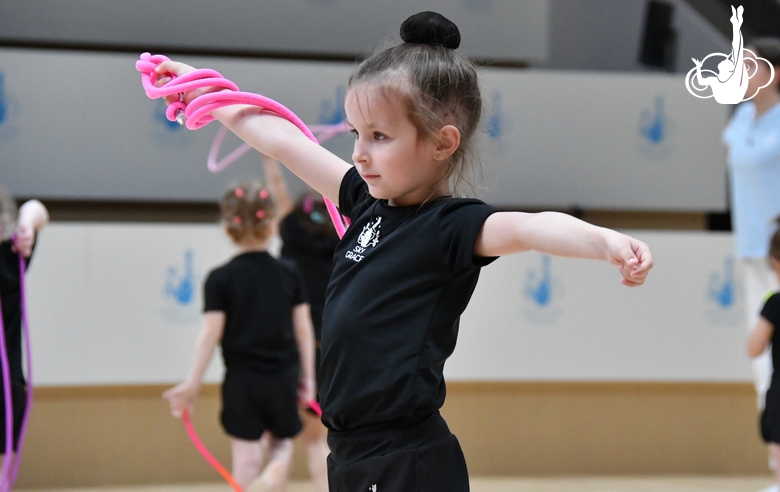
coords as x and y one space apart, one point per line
766 333
24 227
408 264
254 307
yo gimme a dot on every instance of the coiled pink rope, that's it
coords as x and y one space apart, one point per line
9 471
198 112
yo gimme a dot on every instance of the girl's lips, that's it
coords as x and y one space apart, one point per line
370 176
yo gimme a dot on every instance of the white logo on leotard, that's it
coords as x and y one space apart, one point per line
370 234
368 237
372 488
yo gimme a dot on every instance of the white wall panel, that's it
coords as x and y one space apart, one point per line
101 314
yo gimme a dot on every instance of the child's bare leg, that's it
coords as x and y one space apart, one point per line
313 438
274 477
247 461
774 453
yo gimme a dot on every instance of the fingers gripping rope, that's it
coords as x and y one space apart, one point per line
198 112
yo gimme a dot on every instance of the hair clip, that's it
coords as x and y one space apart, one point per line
263 194
260 214
236 219
317 217
239 192
308 204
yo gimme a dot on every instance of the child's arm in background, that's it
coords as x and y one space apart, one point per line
182 396
558 234
33 215
760 337
304 335
277 186
273 136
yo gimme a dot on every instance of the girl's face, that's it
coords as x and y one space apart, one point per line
391 159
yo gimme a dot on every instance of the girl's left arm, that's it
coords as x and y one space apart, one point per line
505 233
33 215
304 336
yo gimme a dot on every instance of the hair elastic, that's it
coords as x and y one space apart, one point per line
239 192
237 219
260 214
263 194
308 204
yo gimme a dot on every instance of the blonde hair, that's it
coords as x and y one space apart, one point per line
7 214
247 211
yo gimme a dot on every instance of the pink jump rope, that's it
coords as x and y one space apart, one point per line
9 472
198 114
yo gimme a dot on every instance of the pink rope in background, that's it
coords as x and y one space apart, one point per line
10 471
197 113
323 133
185 417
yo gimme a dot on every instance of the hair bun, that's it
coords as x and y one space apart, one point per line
430 28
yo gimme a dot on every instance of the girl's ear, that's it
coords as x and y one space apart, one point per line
449 141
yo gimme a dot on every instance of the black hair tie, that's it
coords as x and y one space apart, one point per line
430 28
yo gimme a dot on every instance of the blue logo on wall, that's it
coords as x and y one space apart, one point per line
180 282
494 126
332 110
724 295
180 290
9 111
655 131
542 292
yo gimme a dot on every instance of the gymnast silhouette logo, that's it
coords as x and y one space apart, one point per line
180 282
730 84
652 123
372 488
9 109
722 285
495 126
332 110
542 291
655 131
724 295
369 236
179 292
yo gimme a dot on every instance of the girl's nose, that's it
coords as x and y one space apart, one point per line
359 153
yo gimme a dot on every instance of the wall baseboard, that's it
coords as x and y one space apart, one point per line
124 435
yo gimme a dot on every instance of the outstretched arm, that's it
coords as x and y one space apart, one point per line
558 234
33 215
182 396
272 136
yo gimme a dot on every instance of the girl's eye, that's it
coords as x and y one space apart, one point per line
379 136
354 132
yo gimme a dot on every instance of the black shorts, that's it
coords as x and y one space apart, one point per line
19 399
422 457
254 402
